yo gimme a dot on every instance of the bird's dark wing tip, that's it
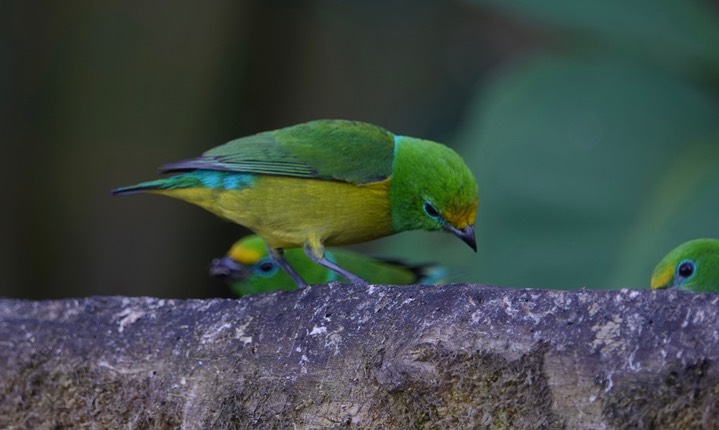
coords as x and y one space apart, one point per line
191 164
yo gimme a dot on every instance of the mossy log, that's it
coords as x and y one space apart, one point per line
344 356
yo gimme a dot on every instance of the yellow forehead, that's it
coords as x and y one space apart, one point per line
661 278
461 218
245 255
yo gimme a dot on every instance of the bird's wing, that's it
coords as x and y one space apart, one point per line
338 150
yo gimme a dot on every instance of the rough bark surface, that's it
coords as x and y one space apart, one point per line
343 356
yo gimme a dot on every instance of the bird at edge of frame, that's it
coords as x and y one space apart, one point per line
248 269
691 266
327 183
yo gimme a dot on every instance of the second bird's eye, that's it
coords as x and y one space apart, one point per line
267 266
431 210
686 269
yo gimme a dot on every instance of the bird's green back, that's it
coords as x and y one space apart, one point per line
340 150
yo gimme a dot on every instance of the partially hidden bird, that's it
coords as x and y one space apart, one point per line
327 182
248 268
691 266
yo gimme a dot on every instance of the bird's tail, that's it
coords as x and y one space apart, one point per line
424 273
429 274
138 188
207 179
171 183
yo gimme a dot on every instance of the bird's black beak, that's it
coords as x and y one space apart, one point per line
226 267
466 234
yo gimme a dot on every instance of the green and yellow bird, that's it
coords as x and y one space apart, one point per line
692 266
249 269
327 182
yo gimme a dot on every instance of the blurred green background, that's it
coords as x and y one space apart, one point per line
593 129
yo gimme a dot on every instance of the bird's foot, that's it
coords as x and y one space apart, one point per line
278 256
335 268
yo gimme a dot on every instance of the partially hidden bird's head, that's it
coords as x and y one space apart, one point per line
249 269
692 266
432 189
245 259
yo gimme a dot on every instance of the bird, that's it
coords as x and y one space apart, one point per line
324 183
691 266
248 268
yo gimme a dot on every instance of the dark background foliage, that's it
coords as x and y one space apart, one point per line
592 129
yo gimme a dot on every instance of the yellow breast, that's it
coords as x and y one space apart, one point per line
289 212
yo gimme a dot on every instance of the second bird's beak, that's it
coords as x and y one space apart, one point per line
226 267
466 234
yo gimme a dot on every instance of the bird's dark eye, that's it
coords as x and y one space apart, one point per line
266 266
431 210
686 268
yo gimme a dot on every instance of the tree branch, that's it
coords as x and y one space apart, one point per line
343 356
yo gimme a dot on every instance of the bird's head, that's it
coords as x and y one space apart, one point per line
692 266
246 259
432 189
